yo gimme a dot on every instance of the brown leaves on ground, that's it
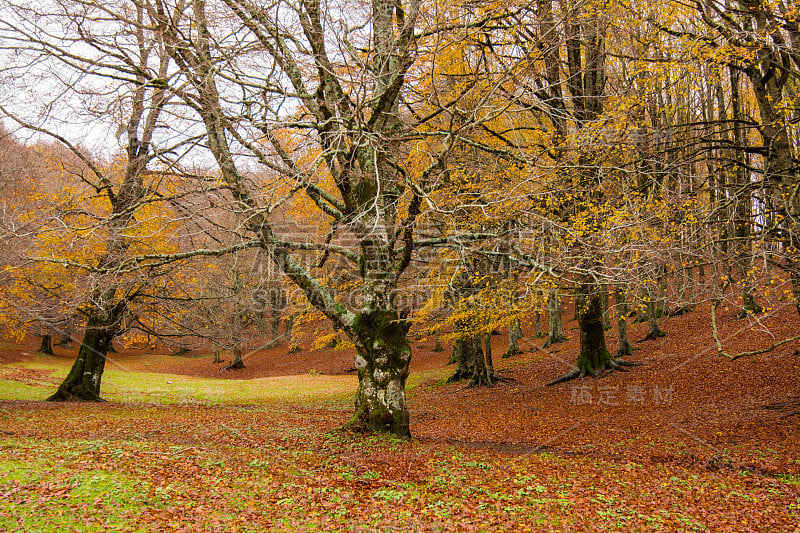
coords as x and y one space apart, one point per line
687 442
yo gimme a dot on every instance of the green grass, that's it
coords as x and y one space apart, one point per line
48 495
124 386
14 390
170 389
158 388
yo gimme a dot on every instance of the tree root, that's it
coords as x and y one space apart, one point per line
488 381
76 394
625 349
556 340
237 365
575 373
511 353
610 366
653 335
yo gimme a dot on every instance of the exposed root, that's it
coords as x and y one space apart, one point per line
575 373
481 381
610 365
236 365
361 423
457 376
625 349
553 340
511 353
653 335
78 394
616 366
488 381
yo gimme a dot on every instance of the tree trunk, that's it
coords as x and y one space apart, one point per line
742 209
472 361
652 319
237 363
594 356
288 327
83 381
277 303
685 289
468 355
383 355
438 343
538 325
662 306
625 347
554 313
47 344
275 322
487 378
66 333
514 335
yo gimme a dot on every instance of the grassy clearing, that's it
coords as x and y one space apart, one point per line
157 388
125 386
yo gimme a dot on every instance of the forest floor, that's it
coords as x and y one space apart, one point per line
688 441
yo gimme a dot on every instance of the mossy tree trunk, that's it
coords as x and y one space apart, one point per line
83 381
655 331
438 342
538 324
662 305
468 355
368 179
605 308
382 360
277 304
238 362
487 378
106 305
594 355
474 358
742 208
771 96
66 332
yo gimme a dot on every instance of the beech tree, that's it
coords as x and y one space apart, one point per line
319 95
101 60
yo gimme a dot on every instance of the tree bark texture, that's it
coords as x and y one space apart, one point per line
83 381
383 355
556 332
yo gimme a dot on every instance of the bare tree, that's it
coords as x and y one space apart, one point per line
115 45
